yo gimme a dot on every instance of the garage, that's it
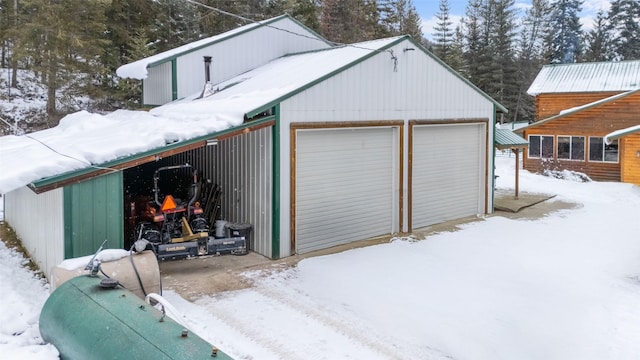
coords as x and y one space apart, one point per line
447 172
346 188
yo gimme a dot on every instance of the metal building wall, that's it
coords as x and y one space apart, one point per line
38 219
241 53
94 212
157 88
413 86
243 166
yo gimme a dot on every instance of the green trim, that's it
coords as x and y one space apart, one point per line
67 206
298 90
493 167
275 187
266 23
88 170
174 79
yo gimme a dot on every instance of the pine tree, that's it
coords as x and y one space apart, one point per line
534 29
598 44
564 41
443 33
63 39
409 20
349 21
624 20
504 82
472 23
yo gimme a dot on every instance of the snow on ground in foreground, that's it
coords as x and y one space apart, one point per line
22 295
565 286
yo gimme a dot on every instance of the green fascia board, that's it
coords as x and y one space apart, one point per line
277 101
93 168
275 184
267 23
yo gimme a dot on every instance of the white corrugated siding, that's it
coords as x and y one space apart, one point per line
38 219
417 87
448 167
346 186
242 53
243 166
157 88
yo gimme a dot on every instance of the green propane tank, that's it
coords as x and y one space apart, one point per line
85 320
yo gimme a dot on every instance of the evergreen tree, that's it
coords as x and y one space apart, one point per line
409 20
564 41
307 12
349 21
473 47
455 58
624 20
534 29
504 82
443 33
598 44
63 39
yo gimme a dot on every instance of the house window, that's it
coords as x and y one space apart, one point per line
571 147
540 146
599 151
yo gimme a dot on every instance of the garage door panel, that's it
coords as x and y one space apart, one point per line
345 181
447 172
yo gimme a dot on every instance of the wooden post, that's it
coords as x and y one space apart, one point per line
515 150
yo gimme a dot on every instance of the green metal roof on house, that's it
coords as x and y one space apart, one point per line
587 77
507 139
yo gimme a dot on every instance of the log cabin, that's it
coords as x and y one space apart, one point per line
577 106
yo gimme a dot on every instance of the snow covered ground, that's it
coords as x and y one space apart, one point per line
566 286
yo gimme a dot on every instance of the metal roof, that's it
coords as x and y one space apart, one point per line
506 139
131 70
587 77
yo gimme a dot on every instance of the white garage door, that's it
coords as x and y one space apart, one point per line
448 167
346 185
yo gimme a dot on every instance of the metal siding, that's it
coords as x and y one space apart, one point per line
346 181
242 166
94 210
38 220
157 87
419 88
240 54
448 163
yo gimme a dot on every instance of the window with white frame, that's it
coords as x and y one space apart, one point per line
571 147
600 151
540 146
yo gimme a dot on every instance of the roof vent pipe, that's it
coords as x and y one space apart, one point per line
207 69
208 87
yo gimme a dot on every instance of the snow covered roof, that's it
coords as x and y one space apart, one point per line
577 109
587 77
138 69
258 90
84 140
